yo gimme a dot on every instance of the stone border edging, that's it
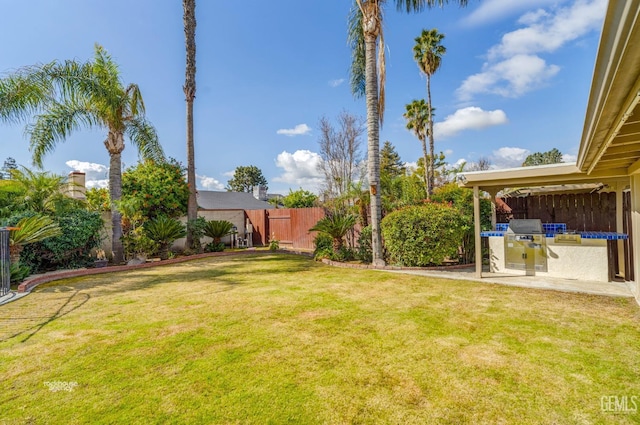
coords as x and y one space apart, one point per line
372 267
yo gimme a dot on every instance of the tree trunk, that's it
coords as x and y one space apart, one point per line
431 143
115 146
373 145
425 155
189 88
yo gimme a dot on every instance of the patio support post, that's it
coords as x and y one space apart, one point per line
476 225
619 225
635 223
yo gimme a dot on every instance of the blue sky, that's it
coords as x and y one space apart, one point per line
515 79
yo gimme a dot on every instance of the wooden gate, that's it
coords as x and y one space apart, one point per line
290 226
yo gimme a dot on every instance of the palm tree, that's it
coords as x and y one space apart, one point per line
368 75
417 115
428 53
66 96
336 225
189 11
164 230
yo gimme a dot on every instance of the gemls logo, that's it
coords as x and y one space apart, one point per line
623 404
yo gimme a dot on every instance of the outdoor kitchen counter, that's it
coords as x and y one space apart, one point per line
569 257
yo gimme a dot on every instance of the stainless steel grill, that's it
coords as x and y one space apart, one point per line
525 246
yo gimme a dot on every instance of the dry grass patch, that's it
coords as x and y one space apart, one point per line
282 339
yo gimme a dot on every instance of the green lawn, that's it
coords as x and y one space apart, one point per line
276 338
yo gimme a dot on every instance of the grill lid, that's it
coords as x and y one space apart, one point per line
529 225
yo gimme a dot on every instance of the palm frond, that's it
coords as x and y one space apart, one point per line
33 229
24 93
143 135
411 6
355 40
55 125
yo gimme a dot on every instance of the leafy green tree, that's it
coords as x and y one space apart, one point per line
245 178
98 199
368 77
554 156
156 189
67 96
189 19
428 52
9 192
299 199
216 230
390 162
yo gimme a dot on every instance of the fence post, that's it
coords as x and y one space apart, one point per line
5 263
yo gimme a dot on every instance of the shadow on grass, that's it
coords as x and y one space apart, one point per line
33 324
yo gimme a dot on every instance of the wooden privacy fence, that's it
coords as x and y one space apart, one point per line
290 226
583 212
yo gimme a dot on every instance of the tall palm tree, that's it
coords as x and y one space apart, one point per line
189 19
65 96
417 115
428 53
368 75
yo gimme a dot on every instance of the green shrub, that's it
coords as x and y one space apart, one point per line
81 232
365 252
323 244
423 235
214 247
19 272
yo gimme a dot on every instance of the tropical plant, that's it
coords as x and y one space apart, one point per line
418 114
428 52
42 192
29 230
164 230
218 229
368 75
336 225
189 88
67 96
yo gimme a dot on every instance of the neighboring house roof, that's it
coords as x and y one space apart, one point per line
211 200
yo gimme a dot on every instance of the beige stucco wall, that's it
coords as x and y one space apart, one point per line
587 261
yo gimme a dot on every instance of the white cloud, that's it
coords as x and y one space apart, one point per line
468 118
96 175
336 82
567 157
513 66
509 157
208 183
493 10
300 169
547 32
298 130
